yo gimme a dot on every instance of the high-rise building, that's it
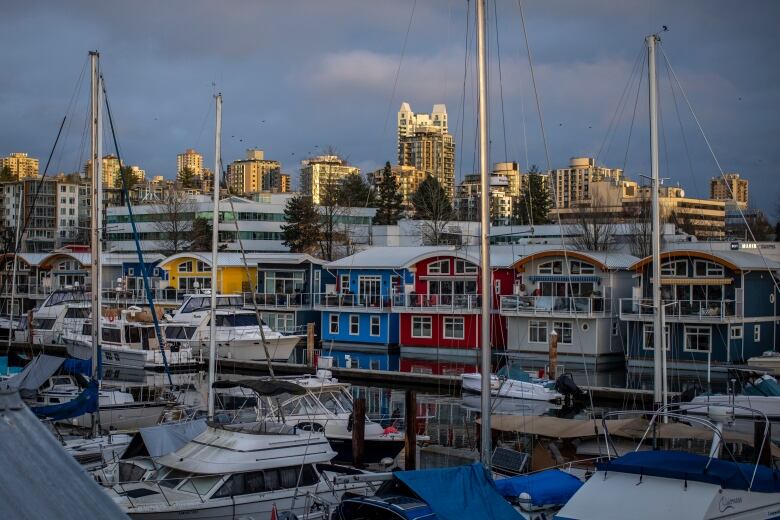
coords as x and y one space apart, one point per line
110 171
571 186
140 174
321 172
730 187
504 194
425 143
189 159
253 174
407 178
277 182
20 165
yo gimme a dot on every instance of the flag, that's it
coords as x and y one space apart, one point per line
274 513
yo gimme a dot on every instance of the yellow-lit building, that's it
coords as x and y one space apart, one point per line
730 188
254 174
189 159
570 187
20 164
191 273
323 172
408 179
110 174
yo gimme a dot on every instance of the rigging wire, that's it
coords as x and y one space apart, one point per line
398 69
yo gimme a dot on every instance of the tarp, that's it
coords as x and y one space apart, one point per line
264 386
37 371
512 372
77 366
458 493
688 466
156 441
546 488
85 402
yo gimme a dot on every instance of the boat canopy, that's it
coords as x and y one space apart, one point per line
86 402
459 492
698 468
551 487
37 371
156 441
264 386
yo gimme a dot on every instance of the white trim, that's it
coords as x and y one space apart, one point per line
352 322
421 318
736 332
453 320
698 330
371 326
331 323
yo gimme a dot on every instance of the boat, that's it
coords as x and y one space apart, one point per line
512 388
96 452
752 391
238 330
325 405
67 305
768 361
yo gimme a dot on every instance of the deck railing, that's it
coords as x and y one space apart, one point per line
279 300
437 302
705 310
548 305
352 301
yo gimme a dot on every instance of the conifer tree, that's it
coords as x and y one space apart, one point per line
302 230
389 200
535 202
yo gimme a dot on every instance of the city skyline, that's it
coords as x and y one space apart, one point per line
336 86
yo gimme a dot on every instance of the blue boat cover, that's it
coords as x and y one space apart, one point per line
512 372
77 366
549 487
458 493
688 466
85 402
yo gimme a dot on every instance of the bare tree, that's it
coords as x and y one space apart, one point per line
433 208
638 219
595 224
175 216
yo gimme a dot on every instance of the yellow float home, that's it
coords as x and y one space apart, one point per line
190 272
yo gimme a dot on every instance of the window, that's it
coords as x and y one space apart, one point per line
375 326
615 327
698 339
648 338
354 324
736 332
333 324
674 268
756 333
421 326
374 365
464 267
284 282
203 267
130 271
554 267
497 284
185 267
577 267
344 282
440 267
537 331
156 271
563 328
703 268
453 328
416 369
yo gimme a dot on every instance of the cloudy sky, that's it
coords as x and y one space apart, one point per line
300 75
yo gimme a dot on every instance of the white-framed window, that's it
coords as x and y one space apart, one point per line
354 324
333 324
439 267
756 333
417 369
554 267
563 328
497 285
375 326
674 268
130 271
537 331
615 328
454 327
648 338
374 364
464 267
421 327
735 332
344 282
185 267
577 267
705 268
698 338
156 271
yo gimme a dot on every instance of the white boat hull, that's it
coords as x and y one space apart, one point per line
279 348
768 405
510 388
130 416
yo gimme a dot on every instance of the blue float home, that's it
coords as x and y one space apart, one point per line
720 308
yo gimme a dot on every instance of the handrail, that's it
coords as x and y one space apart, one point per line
575 305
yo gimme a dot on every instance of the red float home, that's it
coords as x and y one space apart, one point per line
440 310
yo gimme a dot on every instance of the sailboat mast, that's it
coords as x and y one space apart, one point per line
97 207
659 358
485 281
16 264
214 253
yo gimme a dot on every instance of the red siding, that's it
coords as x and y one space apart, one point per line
436 368
470 328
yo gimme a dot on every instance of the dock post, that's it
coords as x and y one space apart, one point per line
358 431
30 329
762 444
410 431
553 355
310 344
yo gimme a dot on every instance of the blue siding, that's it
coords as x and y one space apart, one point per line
162 274
758 292
388 328
364 359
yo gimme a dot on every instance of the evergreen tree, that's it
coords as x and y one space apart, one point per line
6 175
355 192
129 177
201 235
432 205
189 179
535 202
302 230
390 200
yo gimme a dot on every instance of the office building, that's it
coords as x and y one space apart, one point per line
730 187
425 143
323 172
20 165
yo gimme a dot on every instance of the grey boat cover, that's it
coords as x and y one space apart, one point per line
79 350
156 441
37 371
267 386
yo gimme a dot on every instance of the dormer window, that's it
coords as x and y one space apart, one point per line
554 267
439 267
678 268
578 267
185 267
464 267
203 267
705 268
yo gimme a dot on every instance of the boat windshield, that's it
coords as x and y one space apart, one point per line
335 402
237 320
173 478
59 297
197 303
77 312
178 332
200 484
303 405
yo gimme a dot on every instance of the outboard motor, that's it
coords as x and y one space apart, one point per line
690 392
566 386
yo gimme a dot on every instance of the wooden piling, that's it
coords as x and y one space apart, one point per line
358 431
553 355
310 344
410 430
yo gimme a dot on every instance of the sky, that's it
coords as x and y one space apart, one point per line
299 76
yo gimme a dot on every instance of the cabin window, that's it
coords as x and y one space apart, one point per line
464 267
375 326
268 480
554 267
200 484
284 282
333 324
196 304
648 338
203 267
736 332
756 333
704 268
185 267
173 478
133 334
439 267
344 283
537 331
112 335
674 268
77 312
236 320
698 339
453 328
354 324
563 328
421 327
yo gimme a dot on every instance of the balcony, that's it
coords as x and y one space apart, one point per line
585 306
279 300
681 310
349 301
435 303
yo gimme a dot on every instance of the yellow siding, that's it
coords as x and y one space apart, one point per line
230 280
